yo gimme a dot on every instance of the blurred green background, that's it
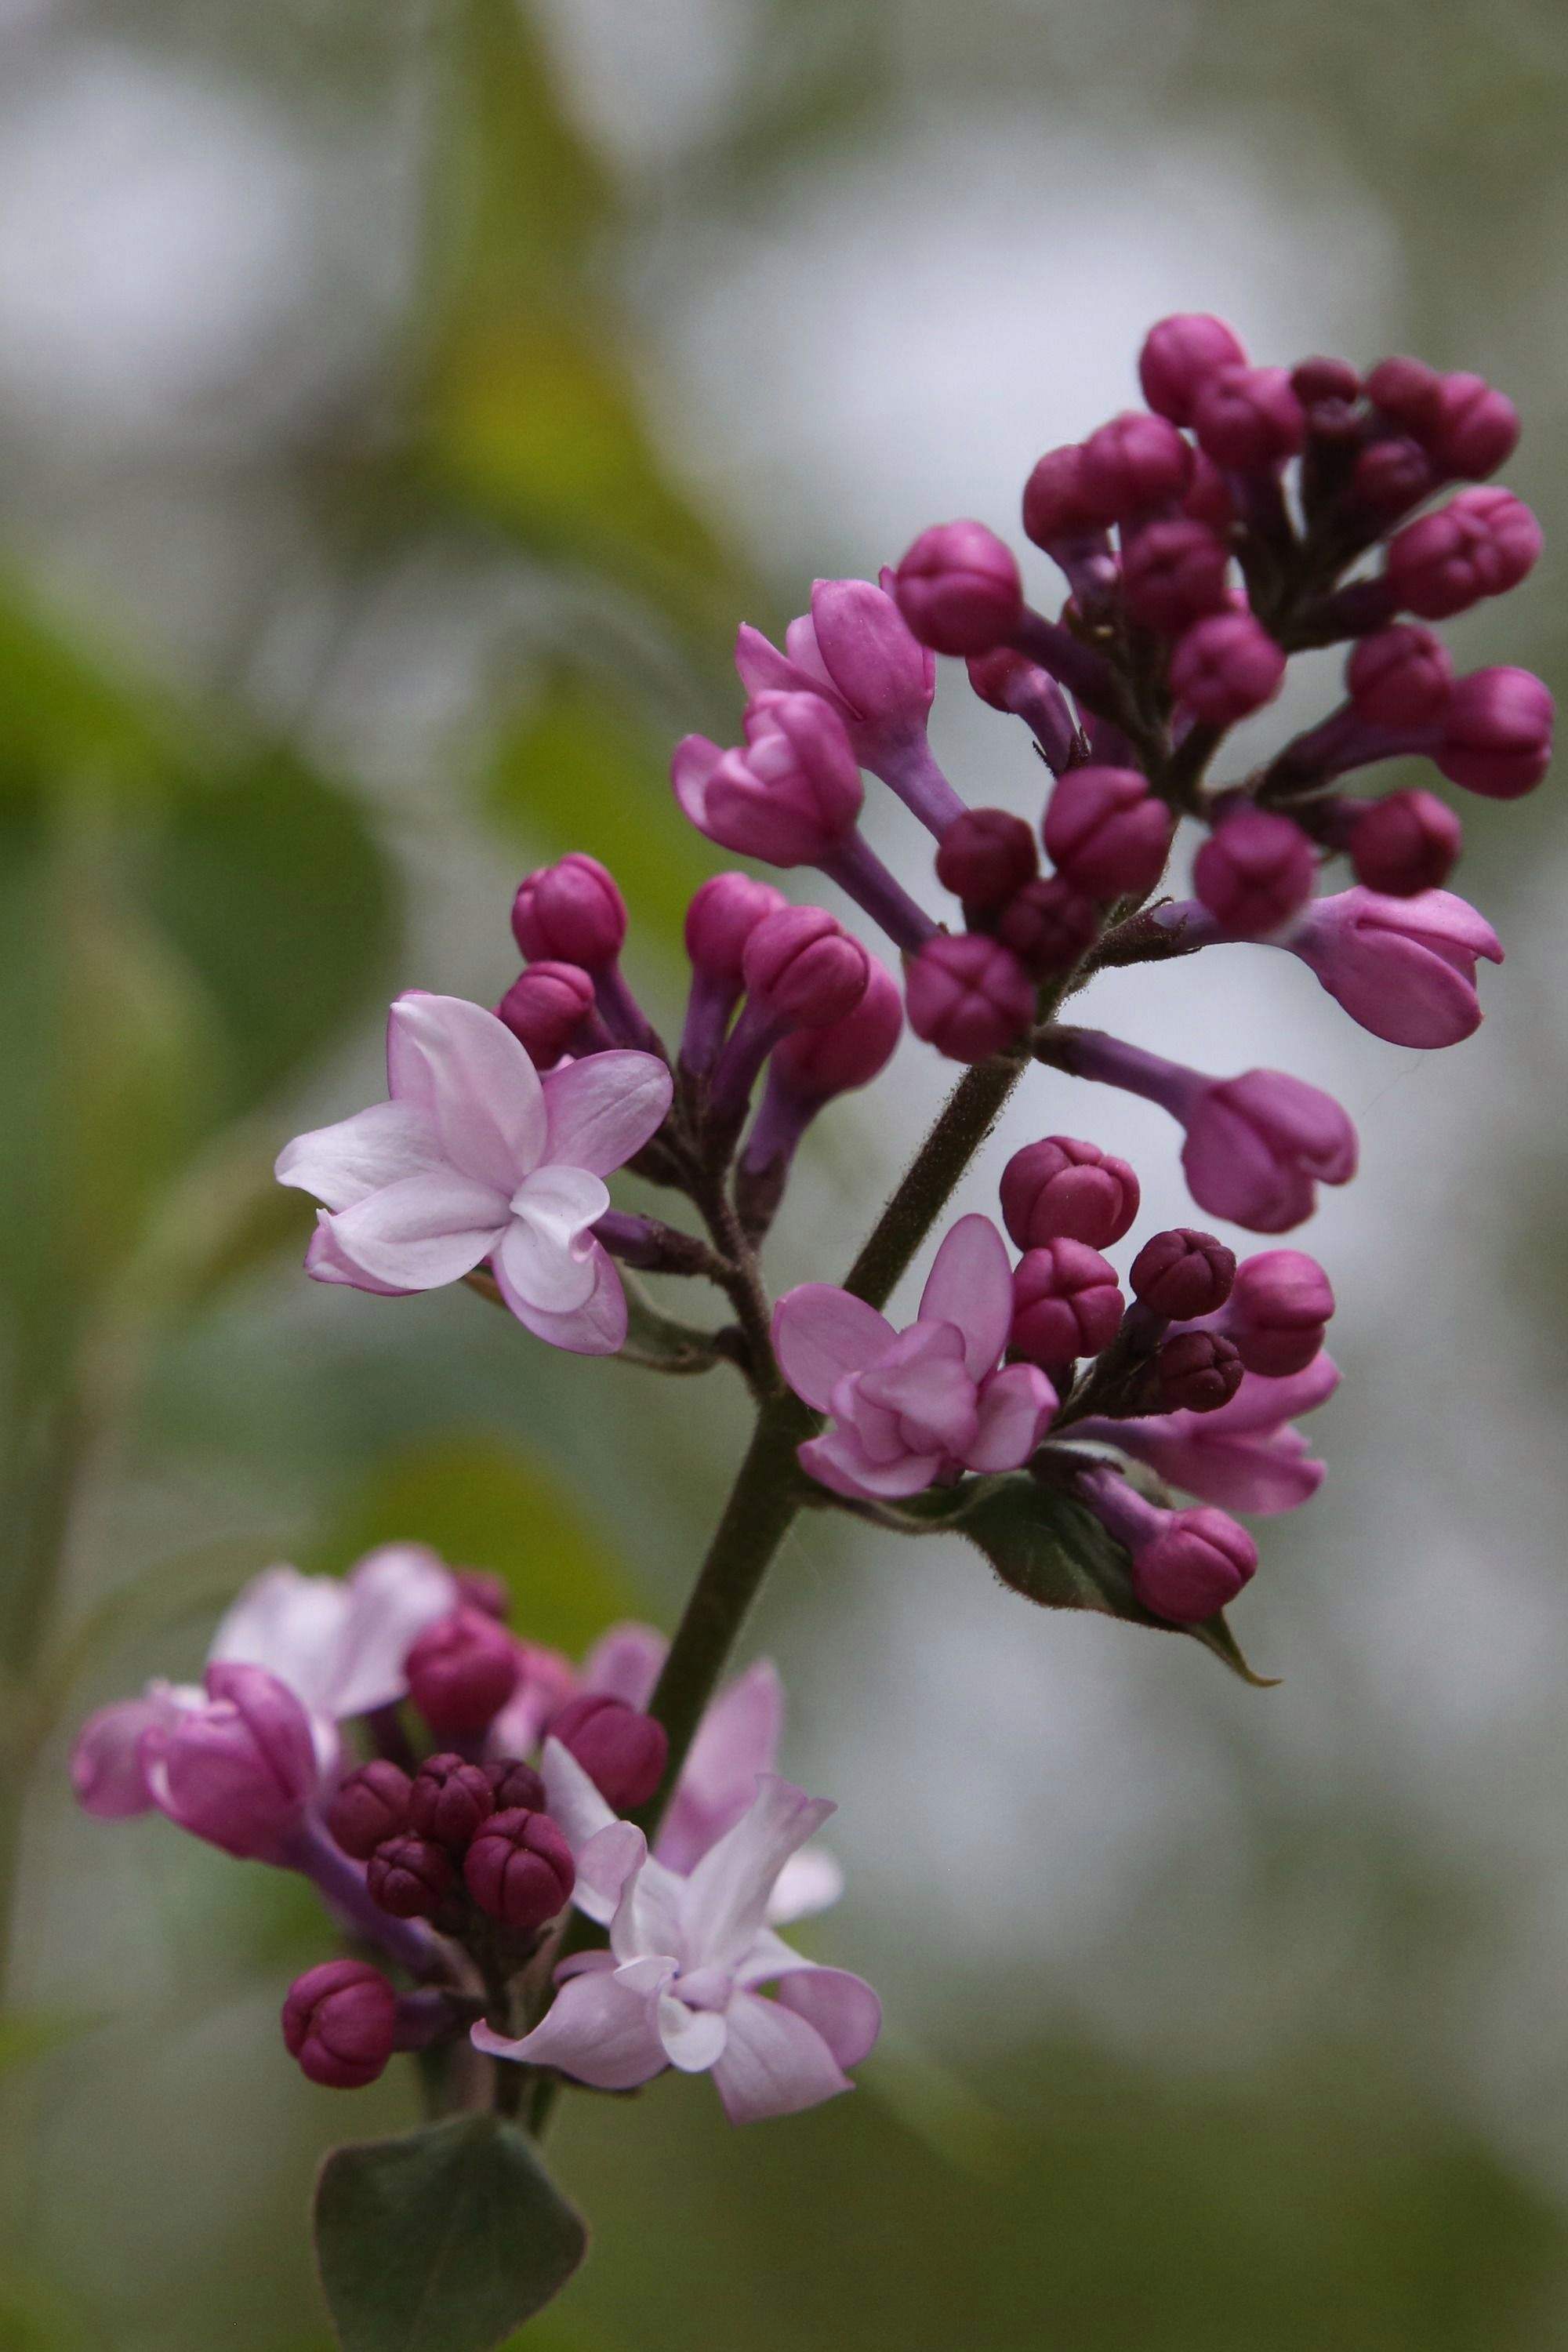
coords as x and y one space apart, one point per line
399 404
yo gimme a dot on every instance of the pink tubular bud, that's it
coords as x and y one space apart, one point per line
1408 391
1063 1190
515 1786
1317 380
1225 667
790 796
1048 926
986 858
1405 844
968 997
1249 418
1133 464
1482 543
1209 500
1196 1371
1391 477
1179 356
835 1057
1280 1304
461 1672
543 1006
447 1800
1106 833
369 1806
1173 573
958 589
519 1870
622 1750
1056 505
1473 430
1183 1274
571 912
1258 1144
1399 677
339 2021
1497 733
240 1769
1067 1302
409 1876
721 918
802 966
1253 872
1196 1564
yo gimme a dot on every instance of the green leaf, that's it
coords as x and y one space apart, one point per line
661 1343
443 2241
1055 1553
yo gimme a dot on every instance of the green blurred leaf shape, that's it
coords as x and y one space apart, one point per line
68 718
485 1504
442 2240
29 2033
1055 1553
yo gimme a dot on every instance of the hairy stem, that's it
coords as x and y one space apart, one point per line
970 1113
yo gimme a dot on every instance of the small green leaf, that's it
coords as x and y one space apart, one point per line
442 2240
1055 1553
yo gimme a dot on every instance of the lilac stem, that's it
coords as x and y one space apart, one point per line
1110 1061
1039 702
749 1043
906 767
342 1886
1344 740
433 2015
861 876
783 1118
624 1017
712 1000
1081 671
1119 1508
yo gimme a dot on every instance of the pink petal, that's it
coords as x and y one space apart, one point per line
648 1918
923 1381
726 1896
325 1261
1015 1409
547 1250
804 647
597 1328
422 1232
601 2029
763 670
774 2062
693 763
603 1109
345 1163
811 1881
1264 1471
822 1333
693 2038
611 1856
736 1741
292 1625
393 1594
971 1285
577 1808
108 1774
625 1664
842 2007
838 1461
1232 1173
868 649
467 1076
1263 1403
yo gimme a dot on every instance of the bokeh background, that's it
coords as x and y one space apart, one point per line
399 404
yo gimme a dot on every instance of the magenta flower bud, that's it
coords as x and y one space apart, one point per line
622 1750
1399 677
968 997
1257 1144
369 1806
1279 1308
1473 429
571 912
478 1588
240 1769
1048 926
721 918
959 590
1408 391
803 967
1225 667
519 1870
1315 382
461 1672
1209 498
1132 464
790 796
447 1800
1482 543
1179 356
1173 573
1253 872
1056 505
986 856
1407 842
1249 418
1067 1302
108 1766
543 1006
1183 1274
1197 1565
515 1786
1196 1371
1391 477
1106 832
1497 733
1061 1190
340 2021
410 1877
835 1057
1403 968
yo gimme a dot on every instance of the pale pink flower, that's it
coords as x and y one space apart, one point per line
1243 1457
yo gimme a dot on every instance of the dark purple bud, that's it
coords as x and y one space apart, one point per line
1406 390
1183 1274
1317 380
1133 464
1253 872
1048 926
339 2021
461 1672
1106 833
409 1876
370 1805
1405 844
968 997
986 858
520 1869
835 1057
622 1750
1173 573
1474 429
1060 1188
571 912
1067 1302
1179 356
1391 477
1196 1371
544 1006
448 1800
802 966
1249 418
478 1588
1399 677
721 918
1196 1564
1497 733
515 1786
1278 1308
958 589
1057 506
1225 667
1482 543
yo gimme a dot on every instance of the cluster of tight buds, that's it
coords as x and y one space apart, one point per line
457 1867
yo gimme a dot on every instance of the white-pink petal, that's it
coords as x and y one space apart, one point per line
737 1740
547 1250
725 1899
602 2029
693 2038
821 1333
325 1261
292 1625
840 2006
346 1162
393 1594
970 1284
603 1109
773 2063
838 1461
423 1231
465 1073
625 1664
811 1881
597 1328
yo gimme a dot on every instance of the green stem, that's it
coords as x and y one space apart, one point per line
971 1111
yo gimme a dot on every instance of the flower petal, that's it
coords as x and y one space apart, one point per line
726 1896
602 1110
647 1916
358 1156
292 1625
821 1334
547 1249
971 1285
773 2063
736 1741
1015 1408
764 670
694 760
393 1594
599 2028
108 1772
577 1808
842 2007
611 1856
597 1328
692 2038
424 1231
468 1077
325 1261
811 1881
838 1461
625 1664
